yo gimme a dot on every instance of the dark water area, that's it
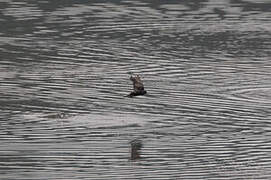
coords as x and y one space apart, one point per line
64 74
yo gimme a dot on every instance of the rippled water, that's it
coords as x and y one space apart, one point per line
64 74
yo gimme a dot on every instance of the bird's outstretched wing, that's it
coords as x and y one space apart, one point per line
138 84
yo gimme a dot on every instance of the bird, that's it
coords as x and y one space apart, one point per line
138 86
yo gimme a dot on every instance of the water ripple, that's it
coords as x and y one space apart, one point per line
64 74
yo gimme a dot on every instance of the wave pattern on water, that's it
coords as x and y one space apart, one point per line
64 74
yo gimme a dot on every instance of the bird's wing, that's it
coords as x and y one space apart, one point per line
138 84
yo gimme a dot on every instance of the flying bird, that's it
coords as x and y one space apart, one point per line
138 86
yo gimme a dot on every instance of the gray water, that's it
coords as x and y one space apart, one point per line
64 74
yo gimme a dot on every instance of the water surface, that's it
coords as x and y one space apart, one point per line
64 74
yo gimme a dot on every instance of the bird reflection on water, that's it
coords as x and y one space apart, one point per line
136 146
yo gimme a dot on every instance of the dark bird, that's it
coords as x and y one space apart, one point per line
138 86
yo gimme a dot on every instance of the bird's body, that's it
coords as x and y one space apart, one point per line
138 86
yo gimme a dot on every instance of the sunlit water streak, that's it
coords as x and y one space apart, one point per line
64 74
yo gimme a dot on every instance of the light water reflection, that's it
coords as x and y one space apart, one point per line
64 74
